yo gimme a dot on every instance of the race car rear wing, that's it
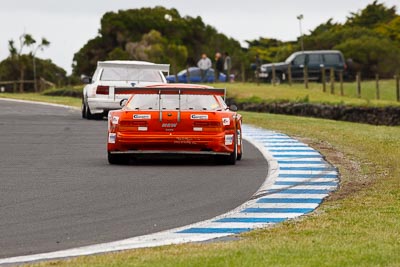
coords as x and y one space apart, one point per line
171 91
134 65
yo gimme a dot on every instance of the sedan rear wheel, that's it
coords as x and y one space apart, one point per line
231 158
84 110
239 155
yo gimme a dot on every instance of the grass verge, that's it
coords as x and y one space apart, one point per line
297 93
359 225
62 100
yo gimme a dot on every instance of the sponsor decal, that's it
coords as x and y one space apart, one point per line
228 139
184 140
112 137
141 116
199 116
115 120
226 121
197 129
169 125
142 128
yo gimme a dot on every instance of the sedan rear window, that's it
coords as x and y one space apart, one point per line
171 102
130 74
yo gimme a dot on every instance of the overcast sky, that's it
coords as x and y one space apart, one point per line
69 24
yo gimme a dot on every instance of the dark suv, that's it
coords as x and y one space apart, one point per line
314 60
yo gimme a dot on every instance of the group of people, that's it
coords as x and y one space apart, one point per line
222 65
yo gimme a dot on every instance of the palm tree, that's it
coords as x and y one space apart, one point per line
25 40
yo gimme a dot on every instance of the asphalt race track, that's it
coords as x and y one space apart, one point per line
58 191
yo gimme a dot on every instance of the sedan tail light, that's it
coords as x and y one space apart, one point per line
102 90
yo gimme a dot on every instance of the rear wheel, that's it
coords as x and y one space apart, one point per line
91 116
239 154
231 158
84 110
117 159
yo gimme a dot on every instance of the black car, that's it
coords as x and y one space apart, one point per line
315 61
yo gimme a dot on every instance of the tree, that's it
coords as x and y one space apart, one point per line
145 34
44 43
16 55
47 69
391 29
372 15
376 55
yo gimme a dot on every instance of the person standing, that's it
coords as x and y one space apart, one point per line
204 64
258 68
227 66
219 66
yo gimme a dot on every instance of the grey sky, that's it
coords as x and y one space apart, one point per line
68 25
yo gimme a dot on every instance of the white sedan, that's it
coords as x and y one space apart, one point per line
99 95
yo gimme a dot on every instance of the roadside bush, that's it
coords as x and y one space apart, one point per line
66 91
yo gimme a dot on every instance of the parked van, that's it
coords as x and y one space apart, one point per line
315 61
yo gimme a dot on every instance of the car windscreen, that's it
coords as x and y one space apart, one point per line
171 102
130 74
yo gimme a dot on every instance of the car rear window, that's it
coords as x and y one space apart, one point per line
130 74
171 102
332 58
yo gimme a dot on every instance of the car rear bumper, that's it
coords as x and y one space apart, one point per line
100 105
174 143
168 152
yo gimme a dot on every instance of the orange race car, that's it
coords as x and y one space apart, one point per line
174 119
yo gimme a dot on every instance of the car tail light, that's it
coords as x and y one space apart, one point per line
102 90
133 126
207 126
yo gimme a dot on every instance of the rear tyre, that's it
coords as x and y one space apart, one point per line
117 159
91 116
84 110
239 155
231 159
239 139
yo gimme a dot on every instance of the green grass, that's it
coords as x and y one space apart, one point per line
262 93
297 93
359 225
69 101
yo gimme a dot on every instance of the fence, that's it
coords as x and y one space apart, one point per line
334 77
19 86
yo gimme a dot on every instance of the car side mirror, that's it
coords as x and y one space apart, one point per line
123 102
86 79
233 108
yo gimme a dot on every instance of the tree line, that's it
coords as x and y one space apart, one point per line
369 39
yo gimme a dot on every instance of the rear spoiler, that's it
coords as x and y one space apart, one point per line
159 67
171 91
